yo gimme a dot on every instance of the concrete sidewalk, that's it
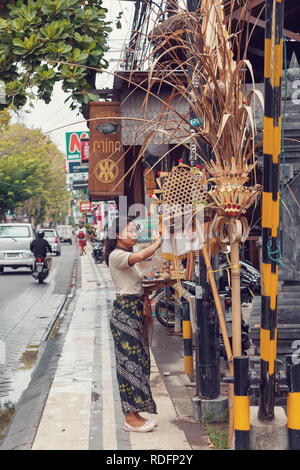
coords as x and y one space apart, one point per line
82 411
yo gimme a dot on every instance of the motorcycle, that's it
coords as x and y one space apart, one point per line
165 306
249 287
98 250
41 269
165 303
249 279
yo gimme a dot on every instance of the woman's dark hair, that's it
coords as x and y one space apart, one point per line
117 226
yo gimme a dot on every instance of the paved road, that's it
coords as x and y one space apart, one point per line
72 401
27 309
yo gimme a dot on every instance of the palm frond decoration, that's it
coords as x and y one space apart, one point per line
192 53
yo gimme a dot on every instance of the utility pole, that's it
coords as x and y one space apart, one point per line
274 14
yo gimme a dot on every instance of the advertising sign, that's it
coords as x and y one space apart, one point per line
84 150
106 165
85 206
76 167
73 145
81 184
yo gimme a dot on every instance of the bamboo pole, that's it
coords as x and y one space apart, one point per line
236 299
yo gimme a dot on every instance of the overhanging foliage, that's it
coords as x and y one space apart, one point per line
36 34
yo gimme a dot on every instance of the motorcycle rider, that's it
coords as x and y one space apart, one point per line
40 247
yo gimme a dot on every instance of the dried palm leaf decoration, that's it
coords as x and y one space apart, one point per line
199 46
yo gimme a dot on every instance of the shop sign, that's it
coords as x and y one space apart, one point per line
73 144
106 163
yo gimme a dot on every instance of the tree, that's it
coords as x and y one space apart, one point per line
36 36
19 181
32 175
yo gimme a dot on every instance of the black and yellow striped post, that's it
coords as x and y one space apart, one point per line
187 339
270 203
207 358
293 401
241 401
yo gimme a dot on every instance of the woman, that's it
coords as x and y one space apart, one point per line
128 323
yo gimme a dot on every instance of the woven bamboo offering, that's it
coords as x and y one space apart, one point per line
181 191
230 194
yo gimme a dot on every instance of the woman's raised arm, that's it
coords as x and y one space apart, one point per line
145 253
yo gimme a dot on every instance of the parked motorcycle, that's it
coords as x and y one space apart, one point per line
249 279
165 306
98 250
250 286
165 303
41 269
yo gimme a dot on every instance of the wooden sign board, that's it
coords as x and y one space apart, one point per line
106 164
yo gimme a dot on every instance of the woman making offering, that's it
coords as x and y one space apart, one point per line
130 315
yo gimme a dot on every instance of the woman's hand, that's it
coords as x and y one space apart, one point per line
157 239
146 252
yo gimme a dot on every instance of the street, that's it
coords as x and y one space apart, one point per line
27 311
70 395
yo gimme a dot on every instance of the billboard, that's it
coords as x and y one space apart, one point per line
73 144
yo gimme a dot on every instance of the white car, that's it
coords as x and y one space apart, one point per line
15 242
52 238
65 233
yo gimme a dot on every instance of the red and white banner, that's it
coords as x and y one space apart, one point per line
85 150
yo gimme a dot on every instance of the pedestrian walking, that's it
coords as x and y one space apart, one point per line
131 320
81 237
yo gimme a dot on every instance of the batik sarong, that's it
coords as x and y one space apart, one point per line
132 356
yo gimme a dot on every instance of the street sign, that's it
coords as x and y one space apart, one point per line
196 122
81 184
76 167
79 176
73 145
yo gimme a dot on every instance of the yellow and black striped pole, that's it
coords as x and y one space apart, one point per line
187 339
293 401
270 203
241 401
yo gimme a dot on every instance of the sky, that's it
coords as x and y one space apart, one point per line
57 114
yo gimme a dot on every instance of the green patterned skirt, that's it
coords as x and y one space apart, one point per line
132 356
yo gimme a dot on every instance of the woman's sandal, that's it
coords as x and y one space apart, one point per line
148 426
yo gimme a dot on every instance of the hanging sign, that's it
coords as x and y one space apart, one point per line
85 206
76 167
106 165
79 185
84 150
73 145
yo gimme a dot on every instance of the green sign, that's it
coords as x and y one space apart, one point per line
73 144
146 227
